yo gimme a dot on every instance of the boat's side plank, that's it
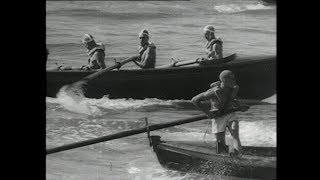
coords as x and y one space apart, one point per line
210 147
210 154
183 159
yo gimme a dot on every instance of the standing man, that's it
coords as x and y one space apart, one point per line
223 104
214 44
147 52
96 53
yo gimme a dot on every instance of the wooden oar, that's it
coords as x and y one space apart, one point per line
116 66
179 63
199 61
137 131
125 134
79 86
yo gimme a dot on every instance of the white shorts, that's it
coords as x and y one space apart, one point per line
220 124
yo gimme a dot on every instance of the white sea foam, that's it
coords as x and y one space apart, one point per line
256 133
94 107
75 103
234 8
133 170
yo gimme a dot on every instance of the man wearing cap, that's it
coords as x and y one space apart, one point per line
213 45
222 96
147 52
96 53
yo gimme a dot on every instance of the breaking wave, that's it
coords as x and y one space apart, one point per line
97 107
236 8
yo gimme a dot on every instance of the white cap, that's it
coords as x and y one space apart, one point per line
144 33
209 28
87 38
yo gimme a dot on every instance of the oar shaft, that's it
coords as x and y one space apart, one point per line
179 63
184 63
117 65
125 134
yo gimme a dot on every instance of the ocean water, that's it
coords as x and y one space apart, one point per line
247 27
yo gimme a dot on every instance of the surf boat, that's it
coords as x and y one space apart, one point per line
272 2
256 77
201 157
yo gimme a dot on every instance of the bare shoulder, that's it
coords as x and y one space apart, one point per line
214 84
204 95
220 93
211 92
152 45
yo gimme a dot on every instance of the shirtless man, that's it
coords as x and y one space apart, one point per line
214 44
147 52
223 104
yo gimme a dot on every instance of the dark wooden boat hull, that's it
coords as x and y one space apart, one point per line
272 2
202 159
256 77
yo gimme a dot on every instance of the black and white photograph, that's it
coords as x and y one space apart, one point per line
161 89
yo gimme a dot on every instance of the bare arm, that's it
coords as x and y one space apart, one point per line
216 52
99 58
236 102
211 55
100 61
214 84
138 60
197 100
235 92
147 59
218 49
140 64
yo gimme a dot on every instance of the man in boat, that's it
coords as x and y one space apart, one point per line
147 52
222 96
213 45
96 53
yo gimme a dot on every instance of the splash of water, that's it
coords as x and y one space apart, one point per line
129 104
76 103
95 107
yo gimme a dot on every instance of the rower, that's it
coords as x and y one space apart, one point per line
222 96
147 52
96 53
213 45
